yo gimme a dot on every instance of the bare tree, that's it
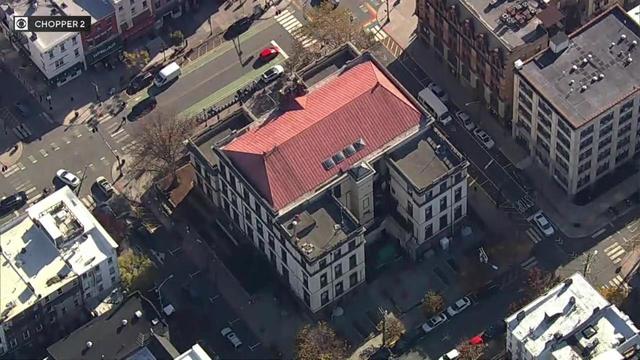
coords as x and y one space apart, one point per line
470 352
299 57
393 329
432 303
539 282
160 145
319 341
615 295
334 27
137 59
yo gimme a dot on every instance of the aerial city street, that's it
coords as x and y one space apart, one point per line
326 179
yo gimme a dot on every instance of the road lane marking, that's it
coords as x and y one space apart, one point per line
32 189
67 141
11 170
32 159
282 52
34 199
23 186
117 133
21 166
43 153
123 138
54 146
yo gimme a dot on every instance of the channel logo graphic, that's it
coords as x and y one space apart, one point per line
52 23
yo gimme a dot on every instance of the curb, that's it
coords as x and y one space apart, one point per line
7 159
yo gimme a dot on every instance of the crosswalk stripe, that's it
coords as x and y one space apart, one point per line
23 186
533 235
11 170
611 247
617 253
123 138
529 263
616 281
88 201
32 189
43 153
32 159
117 133
34 199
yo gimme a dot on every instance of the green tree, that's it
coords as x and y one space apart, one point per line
432 303
135 270
136 60
319 342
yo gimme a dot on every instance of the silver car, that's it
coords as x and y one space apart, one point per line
68 178
232 337
272 74
466 120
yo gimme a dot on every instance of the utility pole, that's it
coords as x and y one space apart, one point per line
97 91
84 173
588 261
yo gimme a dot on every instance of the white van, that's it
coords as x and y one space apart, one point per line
434 106
167 74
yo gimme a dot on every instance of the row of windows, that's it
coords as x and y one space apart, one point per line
338 288
444 203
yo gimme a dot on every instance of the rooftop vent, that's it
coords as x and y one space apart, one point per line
328 164
518 64
623 37
568 282
63 5
571 82
138 314
585 61
89 344
634 43
584 88
601 76
338 157
336 227
124 322
612 45
574 68
629 60
521 315
594 79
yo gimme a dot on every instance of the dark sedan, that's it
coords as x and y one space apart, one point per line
142 108
13 202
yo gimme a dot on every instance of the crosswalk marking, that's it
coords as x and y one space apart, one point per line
34 199
615 252
530 263
11 170
67 141
54 146
32 159
43 153
117 133
128 146
23 186
617 281
32 189
378 33
122 138
533 235
293 26
89 202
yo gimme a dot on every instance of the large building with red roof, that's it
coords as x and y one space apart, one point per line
352 155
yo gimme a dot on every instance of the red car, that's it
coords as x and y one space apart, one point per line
269 53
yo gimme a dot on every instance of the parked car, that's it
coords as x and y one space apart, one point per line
167 75
139 82
434 322
268 54
142 108
466 120
441 94
231 336
22 109
272 74
484 138
13 202
496 329
105 186
68 178
543 224
451 355
459 306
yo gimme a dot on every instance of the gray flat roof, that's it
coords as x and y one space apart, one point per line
322 224
552 74
490 16
421 163
97 9
40 8
218 132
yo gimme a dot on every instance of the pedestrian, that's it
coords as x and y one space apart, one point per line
72 99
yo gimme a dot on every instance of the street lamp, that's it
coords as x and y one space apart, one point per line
484 258
160 287
471 102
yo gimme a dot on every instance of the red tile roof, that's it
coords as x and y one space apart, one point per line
283 158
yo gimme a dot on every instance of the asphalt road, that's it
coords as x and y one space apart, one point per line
220 73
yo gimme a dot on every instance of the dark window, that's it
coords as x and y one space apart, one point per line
410 208
339 288
352 261
324 298
338 270
443 187
444 221
459 177
232 181
353 279
323 263
428 213
337 191
352 245
457 213
259 228
428 231
245 194
307 299
443 203
305 281
247 214
457 195
283 254
337 253
272 243
285 274
323 280
249 232
587 131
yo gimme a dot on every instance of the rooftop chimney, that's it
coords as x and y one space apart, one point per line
89 344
